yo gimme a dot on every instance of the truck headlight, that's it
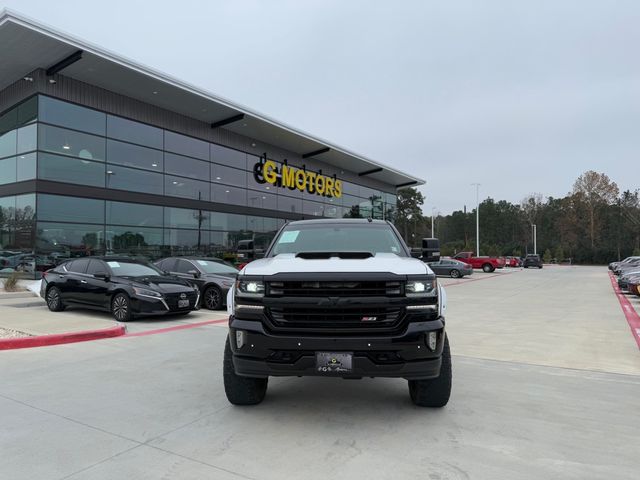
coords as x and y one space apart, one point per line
421 288
253 288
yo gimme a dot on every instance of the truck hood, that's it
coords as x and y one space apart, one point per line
381 262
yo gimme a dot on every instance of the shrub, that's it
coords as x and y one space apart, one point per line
547 256
11 283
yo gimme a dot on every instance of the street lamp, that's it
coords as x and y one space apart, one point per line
534 234
477 218
433 234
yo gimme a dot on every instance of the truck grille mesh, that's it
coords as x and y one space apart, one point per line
335 288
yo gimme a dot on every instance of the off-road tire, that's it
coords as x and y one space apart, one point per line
241 390
54 299
121 307
434 392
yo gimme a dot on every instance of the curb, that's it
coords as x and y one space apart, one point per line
61 338
633 319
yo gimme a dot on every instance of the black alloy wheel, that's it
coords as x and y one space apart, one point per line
212 298
454 273
121 307
54 300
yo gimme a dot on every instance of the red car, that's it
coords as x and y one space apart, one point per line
487 264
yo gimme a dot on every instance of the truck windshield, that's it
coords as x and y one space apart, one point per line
335 237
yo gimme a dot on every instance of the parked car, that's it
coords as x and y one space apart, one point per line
613 265
625 278
532 260
123 286
634 285
626 267
214 277
487 264
512 262
451 268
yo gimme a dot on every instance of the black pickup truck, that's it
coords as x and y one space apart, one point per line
340 298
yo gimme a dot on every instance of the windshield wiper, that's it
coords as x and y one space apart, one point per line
344 255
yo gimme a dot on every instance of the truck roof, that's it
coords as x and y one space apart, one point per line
337 221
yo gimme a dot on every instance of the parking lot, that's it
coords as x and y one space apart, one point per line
546 385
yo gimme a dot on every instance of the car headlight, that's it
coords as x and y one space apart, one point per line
421 288
253 288
145 292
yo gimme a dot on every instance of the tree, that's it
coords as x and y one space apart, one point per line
547 256
559 253
595 189
408 210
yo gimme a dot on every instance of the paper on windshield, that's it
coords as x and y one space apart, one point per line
202 262
289 236
113 264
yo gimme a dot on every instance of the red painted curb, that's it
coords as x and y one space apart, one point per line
177 327
60 338
633 319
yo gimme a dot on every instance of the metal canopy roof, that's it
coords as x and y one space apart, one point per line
28 45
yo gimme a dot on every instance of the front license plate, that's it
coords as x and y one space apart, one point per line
183 303
328 362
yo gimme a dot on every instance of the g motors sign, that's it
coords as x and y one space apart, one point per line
267 171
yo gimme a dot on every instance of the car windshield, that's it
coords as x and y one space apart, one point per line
338 237
132 269
212 266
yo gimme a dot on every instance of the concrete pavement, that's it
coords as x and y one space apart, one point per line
153 407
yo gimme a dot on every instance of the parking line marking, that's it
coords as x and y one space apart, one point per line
176 327
633 319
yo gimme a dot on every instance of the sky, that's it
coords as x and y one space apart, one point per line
518 96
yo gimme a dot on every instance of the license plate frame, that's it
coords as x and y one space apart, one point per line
183 303
334 363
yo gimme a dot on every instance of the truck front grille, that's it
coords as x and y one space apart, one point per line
347 319
365 288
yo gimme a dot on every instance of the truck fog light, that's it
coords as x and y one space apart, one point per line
432 341
240 338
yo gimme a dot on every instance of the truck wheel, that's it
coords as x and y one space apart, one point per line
487 268
434 392
241 390
454 274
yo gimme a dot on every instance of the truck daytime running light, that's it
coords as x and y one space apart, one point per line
421 288
250 287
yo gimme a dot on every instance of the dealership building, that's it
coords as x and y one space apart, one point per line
100 155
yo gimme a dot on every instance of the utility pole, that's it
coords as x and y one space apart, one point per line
477 185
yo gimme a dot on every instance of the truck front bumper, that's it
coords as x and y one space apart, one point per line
406 355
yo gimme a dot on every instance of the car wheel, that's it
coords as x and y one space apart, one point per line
454 274
121 307
212 298
241 390
434 392
54 300
539 266
487 268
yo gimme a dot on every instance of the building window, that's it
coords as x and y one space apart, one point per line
58 208
228 156
134 214
186 188
121 178
131 155
134 132
26 166
133 240
228 195
68 142
72 116
186 167
261 200
228 175
174 142
67 240
70 170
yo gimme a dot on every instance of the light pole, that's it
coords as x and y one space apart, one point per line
534 234
433 233
477 218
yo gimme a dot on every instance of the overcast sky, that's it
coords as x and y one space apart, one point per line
519 96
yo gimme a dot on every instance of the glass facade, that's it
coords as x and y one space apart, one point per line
49 139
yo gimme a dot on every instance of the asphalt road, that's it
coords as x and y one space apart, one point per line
546 385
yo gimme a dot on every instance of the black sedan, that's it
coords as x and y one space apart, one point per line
451 268
213 276
123 286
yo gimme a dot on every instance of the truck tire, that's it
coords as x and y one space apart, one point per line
487 268
241 390
434 392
